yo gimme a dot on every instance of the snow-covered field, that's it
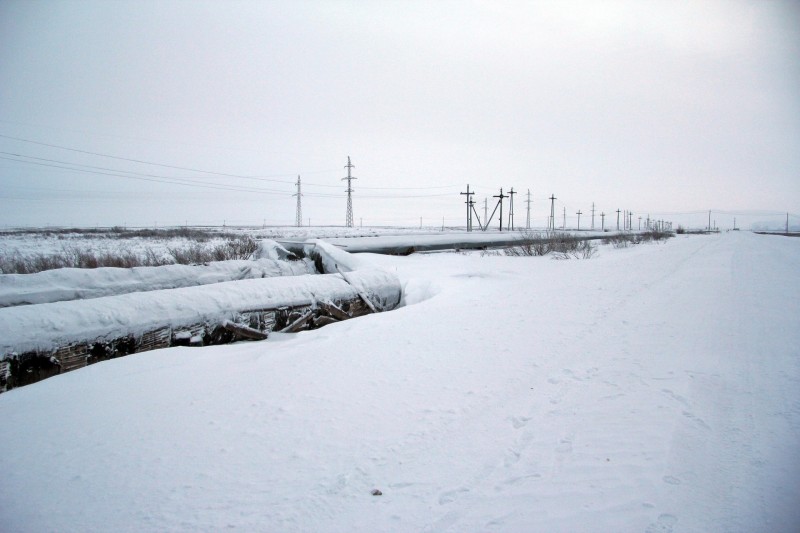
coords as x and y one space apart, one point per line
653 388
51 242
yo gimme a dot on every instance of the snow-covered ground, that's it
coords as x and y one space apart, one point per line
652 388
47 242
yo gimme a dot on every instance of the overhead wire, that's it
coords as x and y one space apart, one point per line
175 179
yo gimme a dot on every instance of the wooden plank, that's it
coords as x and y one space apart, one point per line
333 310
244 331
298 324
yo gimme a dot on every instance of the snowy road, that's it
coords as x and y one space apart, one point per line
650 389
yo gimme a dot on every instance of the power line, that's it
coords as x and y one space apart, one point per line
223 174
173 181
120 158
186 181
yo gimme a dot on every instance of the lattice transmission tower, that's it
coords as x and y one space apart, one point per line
298 221
349 219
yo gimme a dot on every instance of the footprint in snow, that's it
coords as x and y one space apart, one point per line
519 421
664 524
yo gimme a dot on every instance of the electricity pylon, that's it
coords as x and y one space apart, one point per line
349 219
298 220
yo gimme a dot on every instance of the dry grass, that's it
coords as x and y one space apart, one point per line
72 256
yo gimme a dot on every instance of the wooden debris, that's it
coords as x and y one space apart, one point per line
299 323
244 331
333 310
324 320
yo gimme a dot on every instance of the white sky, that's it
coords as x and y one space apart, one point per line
655 107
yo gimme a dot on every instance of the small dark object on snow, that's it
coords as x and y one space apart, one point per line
376 492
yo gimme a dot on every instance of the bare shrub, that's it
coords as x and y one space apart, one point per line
656 235
531 244
240 247
74 257
195 254
575 249
621 240
560 245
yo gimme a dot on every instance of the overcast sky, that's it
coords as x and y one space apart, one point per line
655 107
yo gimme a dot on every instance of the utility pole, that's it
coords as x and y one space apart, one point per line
603 221
528 220
592 215
552 224
500 202
564 222
618 211
511 194
298 219
472 205
709 221
469 204
349 217
640 223
485 213
630 220
579 219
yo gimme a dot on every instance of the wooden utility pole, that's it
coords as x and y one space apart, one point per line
469 204
579 219
511 194
478 218
603 221
618 212
500 202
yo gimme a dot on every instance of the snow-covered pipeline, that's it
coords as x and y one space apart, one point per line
48 326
